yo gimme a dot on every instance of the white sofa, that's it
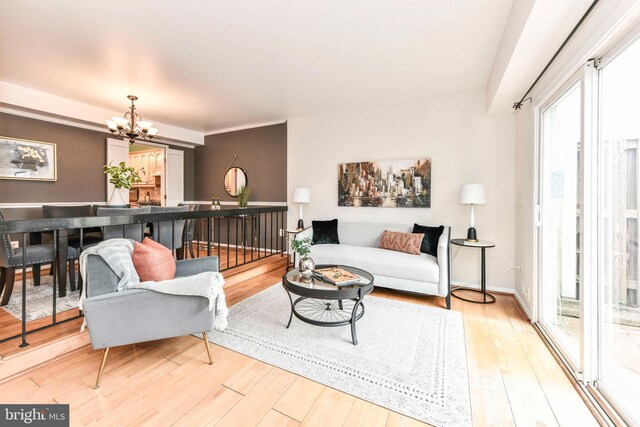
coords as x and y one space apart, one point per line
359 247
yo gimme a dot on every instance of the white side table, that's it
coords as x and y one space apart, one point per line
487 298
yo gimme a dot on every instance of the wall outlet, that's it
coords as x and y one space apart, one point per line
526 291
281 232
15 244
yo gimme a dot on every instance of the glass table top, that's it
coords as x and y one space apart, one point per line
295 278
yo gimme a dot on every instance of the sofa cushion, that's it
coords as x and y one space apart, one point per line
431 238
378 261
402 242
325 232
366 233
152 261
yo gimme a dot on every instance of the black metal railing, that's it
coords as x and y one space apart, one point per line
237 236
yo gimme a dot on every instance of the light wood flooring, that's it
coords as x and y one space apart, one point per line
11 326
513 379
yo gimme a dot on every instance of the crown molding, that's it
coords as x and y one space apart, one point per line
44 106
251 126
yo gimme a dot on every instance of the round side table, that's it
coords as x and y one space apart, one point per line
487 298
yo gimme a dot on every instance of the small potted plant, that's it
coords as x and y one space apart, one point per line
303 248
243 196
121 176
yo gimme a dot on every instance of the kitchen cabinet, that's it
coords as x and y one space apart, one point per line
151 166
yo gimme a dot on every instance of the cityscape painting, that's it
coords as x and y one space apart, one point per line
387 183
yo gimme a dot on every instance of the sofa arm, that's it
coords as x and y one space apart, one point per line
190 267
138 315
444 262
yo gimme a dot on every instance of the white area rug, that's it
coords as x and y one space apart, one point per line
410 358
39 300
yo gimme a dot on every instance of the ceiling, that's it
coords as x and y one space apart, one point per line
209 65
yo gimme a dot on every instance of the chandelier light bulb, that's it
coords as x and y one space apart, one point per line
144 125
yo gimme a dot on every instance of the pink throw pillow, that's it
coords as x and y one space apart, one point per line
402 242
152 261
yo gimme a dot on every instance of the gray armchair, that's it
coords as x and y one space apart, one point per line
136 315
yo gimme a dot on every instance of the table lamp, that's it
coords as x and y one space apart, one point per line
472 194
301 196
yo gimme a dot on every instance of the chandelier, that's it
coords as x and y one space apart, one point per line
132 125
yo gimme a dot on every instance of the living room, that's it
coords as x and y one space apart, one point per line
326 213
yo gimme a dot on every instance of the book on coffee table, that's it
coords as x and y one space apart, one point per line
338 276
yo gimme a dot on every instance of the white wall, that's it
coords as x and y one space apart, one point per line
466 146
525 229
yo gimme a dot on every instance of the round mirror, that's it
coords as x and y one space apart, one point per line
234 179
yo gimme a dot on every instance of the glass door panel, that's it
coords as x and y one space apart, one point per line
560 221
619 321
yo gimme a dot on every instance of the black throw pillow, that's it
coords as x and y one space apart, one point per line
325 232
431 238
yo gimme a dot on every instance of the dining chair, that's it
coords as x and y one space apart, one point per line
133 231
90 236
95 208
189 233
162 230
10 260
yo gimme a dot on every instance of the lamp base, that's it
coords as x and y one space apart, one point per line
471 235
300 223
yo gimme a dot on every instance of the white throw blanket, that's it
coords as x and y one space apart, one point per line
117 254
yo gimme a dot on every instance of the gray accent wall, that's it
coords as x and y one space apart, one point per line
81 153
262 151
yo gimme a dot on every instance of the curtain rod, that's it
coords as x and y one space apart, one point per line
518 104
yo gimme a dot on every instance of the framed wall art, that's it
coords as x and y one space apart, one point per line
386 183
27 160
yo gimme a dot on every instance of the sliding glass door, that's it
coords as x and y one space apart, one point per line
589 200
560 220
619 320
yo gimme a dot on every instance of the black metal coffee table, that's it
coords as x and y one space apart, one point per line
321 303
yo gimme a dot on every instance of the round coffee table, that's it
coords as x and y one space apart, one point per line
321 303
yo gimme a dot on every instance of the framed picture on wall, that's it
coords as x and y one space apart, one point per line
27 160
386 183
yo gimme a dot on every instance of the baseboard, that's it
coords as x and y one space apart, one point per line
477 286
523 306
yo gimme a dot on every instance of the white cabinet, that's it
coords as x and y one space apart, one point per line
149 162
150 165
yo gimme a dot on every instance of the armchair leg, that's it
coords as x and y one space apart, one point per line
205 337
10 278
3 278
72 274
105 353
35 270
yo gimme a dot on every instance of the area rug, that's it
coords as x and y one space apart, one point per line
410 358
39 300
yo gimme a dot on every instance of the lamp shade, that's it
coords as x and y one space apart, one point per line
301 195
472 194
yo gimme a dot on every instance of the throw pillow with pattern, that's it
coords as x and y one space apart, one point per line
402 242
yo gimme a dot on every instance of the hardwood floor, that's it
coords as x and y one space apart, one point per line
513 379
